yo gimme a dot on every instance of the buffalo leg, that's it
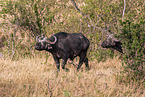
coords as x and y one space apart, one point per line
86 63
82 59
57 63
63 63
80 64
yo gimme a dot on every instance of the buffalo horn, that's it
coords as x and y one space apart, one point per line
53 41
37 37
113 38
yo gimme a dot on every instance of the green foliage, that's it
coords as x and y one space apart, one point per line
51 16
104 16
22 21
32 15
25 19
133 37
104 13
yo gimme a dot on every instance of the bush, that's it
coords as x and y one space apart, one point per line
133 37
22 21
32 15
30 18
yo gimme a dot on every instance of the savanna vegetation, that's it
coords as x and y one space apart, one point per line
27 72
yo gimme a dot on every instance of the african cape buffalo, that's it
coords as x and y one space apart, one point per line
64 45
111 42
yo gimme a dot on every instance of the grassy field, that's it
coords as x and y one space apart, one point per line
35 77
25 72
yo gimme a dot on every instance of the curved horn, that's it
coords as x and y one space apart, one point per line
40 40
113 38
55 39
37 37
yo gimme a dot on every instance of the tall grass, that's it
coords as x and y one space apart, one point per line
24 72
36 77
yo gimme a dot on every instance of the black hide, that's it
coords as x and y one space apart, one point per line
68 45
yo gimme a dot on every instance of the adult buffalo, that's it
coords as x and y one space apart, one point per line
63 46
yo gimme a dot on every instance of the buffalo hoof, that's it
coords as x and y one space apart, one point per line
87 68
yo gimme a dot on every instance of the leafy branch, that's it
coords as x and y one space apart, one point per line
91 23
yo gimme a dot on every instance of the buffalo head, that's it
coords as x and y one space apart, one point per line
111 42
43 43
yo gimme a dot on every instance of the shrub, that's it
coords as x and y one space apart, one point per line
32 15
133 37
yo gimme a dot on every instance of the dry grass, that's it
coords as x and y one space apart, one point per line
33 77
